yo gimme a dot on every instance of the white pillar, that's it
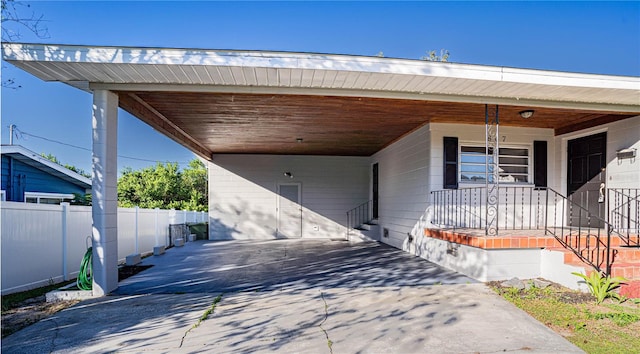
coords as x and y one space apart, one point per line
104 193
137 210
65 217
157 211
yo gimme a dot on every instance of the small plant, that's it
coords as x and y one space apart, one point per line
619 318
600 286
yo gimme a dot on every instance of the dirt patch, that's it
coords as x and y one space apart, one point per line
32 310
555 290
125 272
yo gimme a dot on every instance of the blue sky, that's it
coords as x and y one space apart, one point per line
588 37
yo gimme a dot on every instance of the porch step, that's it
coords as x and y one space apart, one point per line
626 254
631 289
573 240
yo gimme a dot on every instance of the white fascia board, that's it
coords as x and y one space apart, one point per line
166 56
17 149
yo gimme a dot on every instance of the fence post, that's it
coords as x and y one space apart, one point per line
65 216
136 226
156 233
184 217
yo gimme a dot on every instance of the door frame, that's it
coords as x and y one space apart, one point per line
564 156
602 210
299 184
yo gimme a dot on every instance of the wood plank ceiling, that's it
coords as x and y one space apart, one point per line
328 125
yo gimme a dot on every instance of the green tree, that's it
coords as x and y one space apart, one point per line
433 56
73 168
164 186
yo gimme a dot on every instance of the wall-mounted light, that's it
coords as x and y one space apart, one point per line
288 174
526 114
299 140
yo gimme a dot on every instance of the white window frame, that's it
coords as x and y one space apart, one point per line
38 195
529 165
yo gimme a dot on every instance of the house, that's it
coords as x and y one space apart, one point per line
491 171
31 178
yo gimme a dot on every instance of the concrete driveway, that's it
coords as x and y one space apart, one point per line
291 297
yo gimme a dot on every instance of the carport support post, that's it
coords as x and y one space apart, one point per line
104 210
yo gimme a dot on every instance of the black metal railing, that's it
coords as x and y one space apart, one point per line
518 208
359 215
579 230
587 235
624 214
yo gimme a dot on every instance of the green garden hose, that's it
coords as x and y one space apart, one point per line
84 281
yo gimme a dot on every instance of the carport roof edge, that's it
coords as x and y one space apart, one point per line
168 69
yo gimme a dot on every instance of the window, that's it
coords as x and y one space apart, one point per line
3 195
513 164
46 198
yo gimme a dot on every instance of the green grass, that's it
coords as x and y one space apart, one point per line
606 328
12 300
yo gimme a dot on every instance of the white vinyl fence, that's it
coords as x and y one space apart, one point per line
44 244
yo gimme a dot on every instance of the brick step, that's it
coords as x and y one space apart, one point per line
618 254
629 271
626 254
630 289
583 240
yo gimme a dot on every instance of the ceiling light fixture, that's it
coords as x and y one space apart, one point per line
526 114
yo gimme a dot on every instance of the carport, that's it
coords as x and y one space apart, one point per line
274 103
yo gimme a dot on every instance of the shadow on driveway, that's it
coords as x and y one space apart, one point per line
228 266
291 297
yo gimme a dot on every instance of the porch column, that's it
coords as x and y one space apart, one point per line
492 167
104 172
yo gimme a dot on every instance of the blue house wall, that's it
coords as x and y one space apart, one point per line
26 178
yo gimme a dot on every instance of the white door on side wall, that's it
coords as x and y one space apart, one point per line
289 210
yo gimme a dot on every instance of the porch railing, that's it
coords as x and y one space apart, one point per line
359 215
624 214
519 208
587 235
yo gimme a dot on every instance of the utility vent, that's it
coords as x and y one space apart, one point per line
385 232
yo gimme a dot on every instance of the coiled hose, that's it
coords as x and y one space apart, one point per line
84 281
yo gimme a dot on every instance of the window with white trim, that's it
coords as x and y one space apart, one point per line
46 198
513 164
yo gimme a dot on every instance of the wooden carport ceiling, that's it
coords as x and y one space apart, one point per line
329 125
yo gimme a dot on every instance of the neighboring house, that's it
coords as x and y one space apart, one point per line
491 171
31 178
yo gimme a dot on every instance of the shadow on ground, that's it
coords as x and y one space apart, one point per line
228 266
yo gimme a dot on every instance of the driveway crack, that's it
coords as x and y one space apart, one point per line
326 315
202 318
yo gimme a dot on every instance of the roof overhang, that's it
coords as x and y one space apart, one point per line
253 101
32 159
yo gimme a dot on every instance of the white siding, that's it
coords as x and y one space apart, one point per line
403 180
475 134
243 193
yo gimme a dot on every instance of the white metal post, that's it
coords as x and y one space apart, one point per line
156 234
65 216
104 194
137 210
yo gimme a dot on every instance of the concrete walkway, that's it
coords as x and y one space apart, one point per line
292 297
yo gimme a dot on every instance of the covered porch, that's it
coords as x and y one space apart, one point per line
294 140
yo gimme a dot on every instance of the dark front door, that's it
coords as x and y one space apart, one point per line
374 184
586 178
